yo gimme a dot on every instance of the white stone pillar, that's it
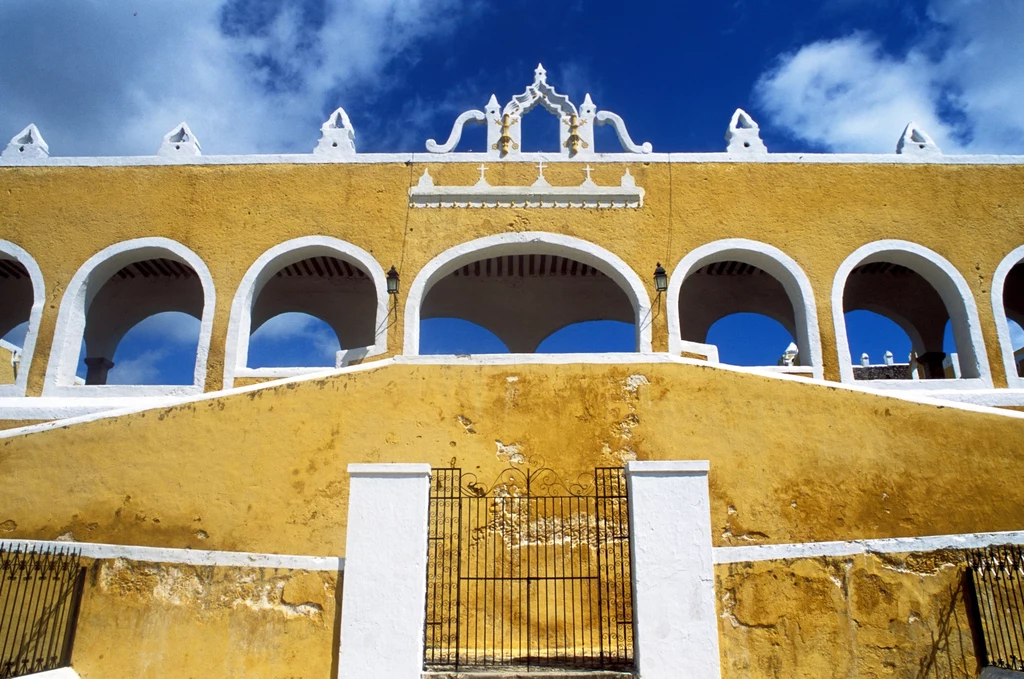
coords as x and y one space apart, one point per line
385 583
676 624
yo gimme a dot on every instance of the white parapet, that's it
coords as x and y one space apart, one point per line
676 626
385 588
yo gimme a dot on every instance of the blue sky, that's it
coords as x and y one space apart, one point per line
103 77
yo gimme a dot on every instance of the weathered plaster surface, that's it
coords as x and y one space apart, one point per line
264 470
865 616
152 620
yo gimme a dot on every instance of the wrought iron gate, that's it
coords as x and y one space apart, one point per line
40 590
529 572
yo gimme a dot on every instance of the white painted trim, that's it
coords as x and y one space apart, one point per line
999 311
34 317
555 157
191 557
777 264
67 338
805 550
236 350
91 410
387 469
61 673
659 467
528 243
955 294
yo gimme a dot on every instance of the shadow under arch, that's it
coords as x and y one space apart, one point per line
528 243
948 285
23 304
801 321
90 283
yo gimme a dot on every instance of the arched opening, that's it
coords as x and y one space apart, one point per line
523 287
304 305
925 297
447 336
148 296
523 293
751 339
1008 308
293 339
592 337
22 294
744 303
146 304
160 349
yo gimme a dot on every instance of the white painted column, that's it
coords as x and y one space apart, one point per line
676 625
385 584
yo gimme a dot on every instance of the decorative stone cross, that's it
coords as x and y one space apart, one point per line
540 169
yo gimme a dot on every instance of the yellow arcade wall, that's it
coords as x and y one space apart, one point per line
265 471
230 214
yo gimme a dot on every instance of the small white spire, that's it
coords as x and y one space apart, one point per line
743 135
916 142
337 136
180 142
28 145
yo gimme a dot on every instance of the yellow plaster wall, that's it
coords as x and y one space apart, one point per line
230 214
152 621
869 616
265 471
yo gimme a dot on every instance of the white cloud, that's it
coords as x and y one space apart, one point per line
170 326
142 369
959 82
101 77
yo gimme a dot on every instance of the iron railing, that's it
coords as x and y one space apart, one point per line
529 573
997 588
40 590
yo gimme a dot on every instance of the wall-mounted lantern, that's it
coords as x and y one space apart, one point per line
660 279
393 281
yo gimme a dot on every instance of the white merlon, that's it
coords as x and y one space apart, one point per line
540 194
27 145
337 136
916 141
180 142
744 135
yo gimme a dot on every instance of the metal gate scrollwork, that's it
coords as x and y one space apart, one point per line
529 573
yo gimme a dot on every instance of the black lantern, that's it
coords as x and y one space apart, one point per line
660 279
393 281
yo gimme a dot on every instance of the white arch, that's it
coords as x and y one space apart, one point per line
35 316
773 261
528 243
956 296
999 311
67 339
236 352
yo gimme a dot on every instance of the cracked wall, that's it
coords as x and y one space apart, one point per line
867 616
144 620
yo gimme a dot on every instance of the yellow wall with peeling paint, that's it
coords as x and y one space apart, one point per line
230 214
265 471
152 621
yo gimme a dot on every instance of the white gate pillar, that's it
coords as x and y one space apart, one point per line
676 624
383 607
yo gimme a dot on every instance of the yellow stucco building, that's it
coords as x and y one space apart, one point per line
213 516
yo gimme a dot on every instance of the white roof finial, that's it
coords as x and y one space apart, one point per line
539 74
743 135
337 136
28 145
180 142
916 141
